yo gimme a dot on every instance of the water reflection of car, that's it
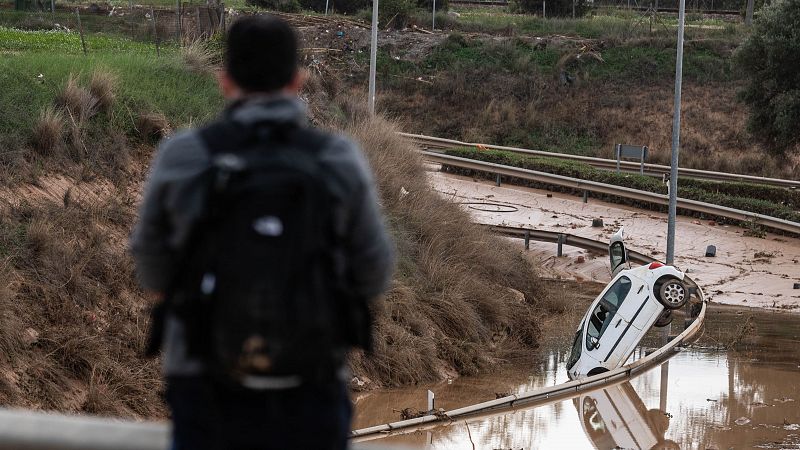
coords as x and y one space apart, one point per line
616 417
634 301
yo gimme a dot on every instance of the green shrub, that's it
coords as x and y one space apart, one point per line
340 6
554 8
770 57
276 5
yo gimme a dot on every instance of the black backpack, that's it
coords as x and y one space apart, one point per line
262 287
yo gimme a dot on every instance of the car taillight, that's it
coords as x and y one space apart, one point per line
655 265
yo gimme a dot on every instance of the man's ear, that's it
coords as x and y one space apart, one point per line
297 82
230 90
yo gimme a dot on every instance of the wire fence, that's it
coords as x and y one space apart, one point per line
158 25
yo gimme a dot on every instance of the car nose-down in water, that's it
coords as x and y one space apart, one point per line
634 300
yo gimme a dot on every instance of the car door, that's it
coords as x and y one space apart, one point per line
629 294
604 324
618 254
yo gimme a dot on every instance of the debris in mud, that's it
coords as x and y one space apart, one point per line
792 427
408 413
742 421
783 399
499 395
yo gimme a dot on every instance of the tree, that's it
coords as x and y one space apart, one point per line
770 58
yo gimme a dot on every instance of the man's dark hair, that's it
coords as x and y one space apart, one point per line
261 53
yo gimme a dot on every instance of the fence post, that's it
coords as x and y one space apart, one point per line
497 180
433 20
222 16
544 9
155 31
178 20
80 29
573 9
53 6
560 250
199 31
527 239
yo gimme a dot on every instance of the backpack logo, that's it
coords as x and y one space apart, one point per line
270 226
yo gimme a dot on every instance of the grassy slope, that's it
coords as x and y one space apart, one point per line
72 317
506 90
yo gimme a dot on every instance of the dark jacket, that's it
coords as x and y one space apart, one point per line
173 201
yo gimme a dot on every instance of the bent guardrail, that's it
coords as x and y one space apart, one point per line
656 170
549 394
610 189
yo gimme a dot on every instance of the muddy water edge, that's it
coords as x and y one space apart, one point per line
737 386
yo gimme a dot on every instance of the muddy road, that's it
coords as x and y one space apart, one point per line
746 271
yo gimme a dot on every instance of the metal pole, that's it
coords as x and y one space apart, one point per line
373 57
676 139
326 7
52 6
544 9
433 19
748 18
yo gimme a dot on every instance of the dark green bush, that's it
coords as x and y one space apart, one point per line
554 8
276 5
770 57
340 6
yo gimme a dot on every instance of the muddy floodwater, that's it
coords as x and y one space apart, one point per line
737 386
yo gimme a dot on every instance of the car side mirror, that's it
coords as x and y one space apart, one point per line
594 342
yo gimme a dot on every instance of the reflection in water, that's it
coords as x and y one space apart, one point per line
616 417
713 398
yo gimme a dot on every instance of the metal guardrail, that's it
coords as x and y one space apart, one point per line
610 189
656 170
549 394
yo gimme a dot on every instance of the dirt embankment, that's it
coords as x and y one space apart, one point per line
553 92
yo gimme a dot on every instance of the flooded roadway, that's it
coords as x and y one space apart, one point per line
738 386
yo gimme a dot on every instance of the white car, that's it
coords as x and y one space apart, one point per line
618 319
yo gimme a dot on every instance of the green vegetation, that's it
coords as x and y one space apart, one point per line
32 77
772 201
770 58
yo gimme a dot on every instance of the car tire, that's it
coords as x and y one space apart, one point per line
673 293
664 319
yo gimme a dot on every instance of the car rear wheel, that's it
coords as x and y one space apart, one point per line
664 319
673 294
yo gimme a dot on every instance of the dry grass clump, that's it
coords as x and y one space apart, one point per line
72 322
102 86
198 58
153 125
451 306
78 102
48 131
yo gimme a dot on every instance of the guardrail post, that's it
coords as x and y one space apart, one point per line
585 196
617 155
560 250
527 239
498 179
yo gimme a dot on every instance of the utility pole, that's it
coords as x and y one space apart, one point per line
433 20
373 57
676 139
748 18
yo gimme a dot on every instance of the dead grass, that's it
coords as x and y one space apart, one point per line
48 131
73 289
102 86
198 58
153 126
450 307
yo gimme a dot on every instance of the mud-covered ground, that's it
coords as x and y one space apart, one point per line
746 271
